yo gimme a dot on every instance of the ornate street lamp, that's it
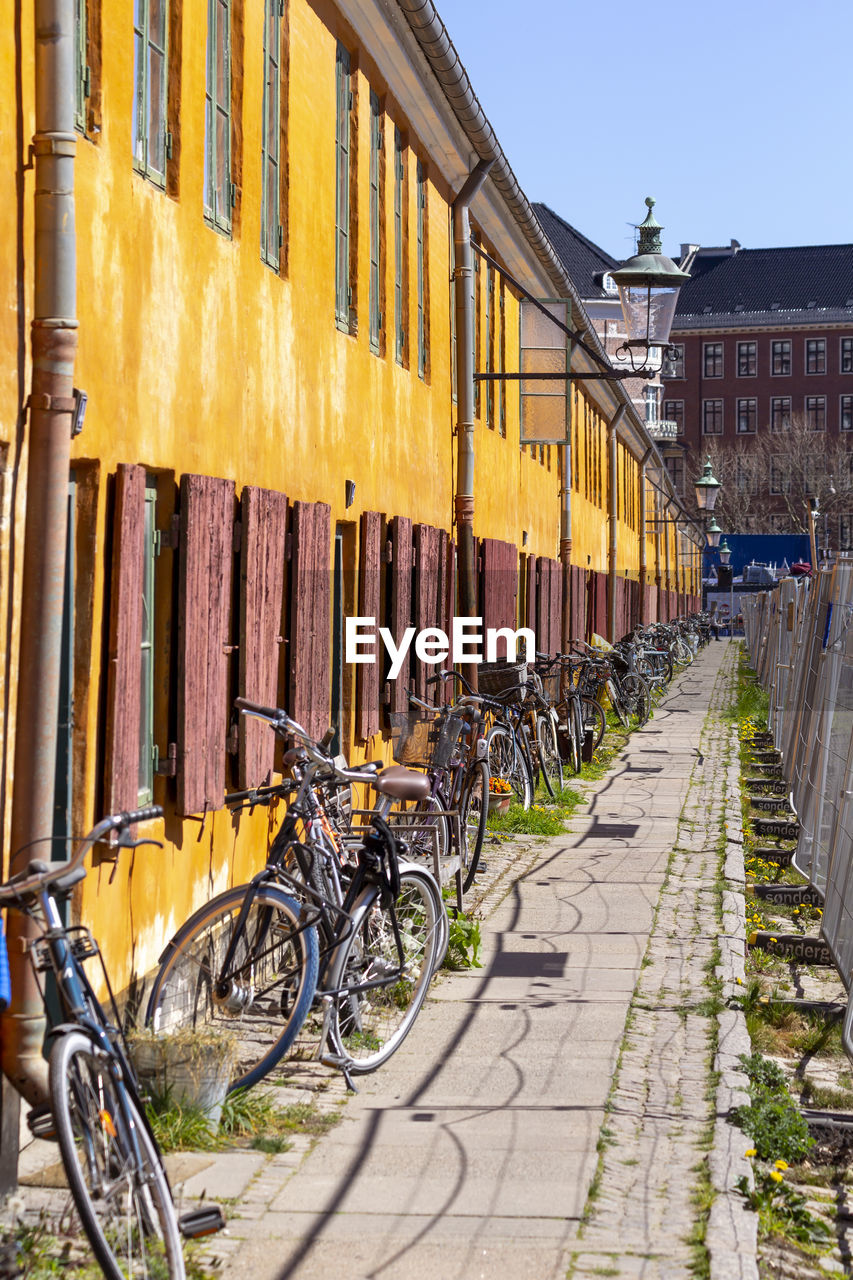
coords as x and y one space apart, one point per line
712 534
707 488
648 286
725 552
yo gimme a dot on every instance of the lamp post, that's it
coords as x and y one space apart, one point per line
725 557
648 286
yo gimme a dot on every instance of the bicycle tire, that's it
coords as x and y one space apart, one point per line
570 732
420 843
550 761
506 760
265 1019
369 1023
635 697
410 871
114 1170
474 815
615 696
594 720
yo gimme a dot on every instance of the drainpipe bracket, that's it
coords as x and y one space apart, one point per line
51 404
54 144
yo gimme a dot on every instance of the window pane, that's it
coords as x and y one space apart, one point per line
223 87
138 119
156 103
223 169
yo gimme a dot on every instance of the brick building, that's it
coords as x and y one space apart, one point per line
762 379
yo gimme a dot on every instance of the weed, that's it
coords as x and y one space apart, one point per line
771 1119
538 820
463 948
781 1209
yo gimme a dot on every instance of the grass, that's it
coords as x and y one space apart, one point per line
248 1119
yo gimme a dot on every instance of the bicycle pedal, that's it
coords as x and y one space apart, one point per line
40 1123
201 1222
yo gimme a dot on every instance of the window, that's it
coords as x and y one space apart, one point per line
271 229
780 413
146 665
712 417
343 296
816 413
151 142
815 355
650 395
712 359
780 478
375 223
747 359
845 533
399 257
673 411
82 79
673 363
489 344
845 417
218 189
847 355
747 415
745 475
675 468
780 358
500 391
421 233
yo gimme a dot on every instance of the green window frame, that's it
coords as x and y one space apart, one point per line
501 388
422 352
147 748
82 77
376 139
151 138
218 188
271 228
399 170
343 92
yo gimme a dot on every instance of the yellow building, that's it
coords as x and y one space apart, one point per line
264 200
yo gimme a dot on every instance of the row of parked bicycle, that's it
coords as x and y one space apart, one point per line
345 922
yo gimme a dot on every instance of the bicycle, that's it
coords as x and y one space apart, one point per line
251 958
113 1165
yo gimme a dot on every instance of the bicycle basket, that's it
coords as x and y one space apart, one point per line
424 742
495 678
551 687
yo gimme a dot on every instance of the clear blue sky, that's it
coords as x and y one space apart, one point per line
736 117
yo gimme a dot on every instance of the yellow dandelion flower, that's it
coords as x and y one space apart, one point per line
772 939
781 1164
777 1177
750 1153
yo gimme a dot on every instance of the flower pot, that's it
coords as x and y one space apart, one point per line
189 1071
499 803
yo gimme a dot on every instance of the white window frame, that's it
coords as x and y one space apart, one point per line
705 346
814 373
806 412
746 431
841 342
713 400
781 342
746 342
841 399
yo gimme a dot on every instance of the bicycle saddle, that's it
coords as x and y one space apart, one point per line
402 784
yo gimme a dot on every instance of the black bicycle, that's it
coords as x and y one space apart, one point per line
112 1162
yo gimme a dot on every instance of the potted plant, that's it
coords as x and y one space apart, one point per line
189 1067
500 795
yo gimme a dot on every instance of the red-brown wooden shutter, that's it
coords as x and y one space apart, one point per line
531 612
401 604
369 604
500 587
427 597
207 539
124 670
264 520
447 597
310 617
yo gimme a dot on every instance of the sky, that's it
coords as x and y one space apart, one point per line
736 117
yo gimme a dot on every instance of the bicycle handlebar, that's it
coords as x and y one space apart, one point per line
29 881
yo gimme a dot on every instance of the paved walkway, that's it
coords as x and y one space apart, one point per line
477 1150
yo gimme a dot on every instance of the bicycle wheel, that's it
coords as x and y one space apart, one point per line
379 994
636 700
614 693
113 1167
431 830
265 995
549 755
474 814
412 872
570 732
506 761
594 720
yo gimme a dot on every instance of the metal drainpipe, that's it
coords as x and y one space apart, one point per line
613 523
54 344
463 278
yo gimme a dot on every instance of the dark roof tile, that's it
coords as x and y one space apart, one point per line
816 279
582 259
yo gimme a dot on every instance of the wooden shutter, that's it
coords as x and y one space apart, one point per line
400 615
207 536
579 593
447 601
427 598
369 604
499 587
264 521
531 612
549 599
124 670
310 617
